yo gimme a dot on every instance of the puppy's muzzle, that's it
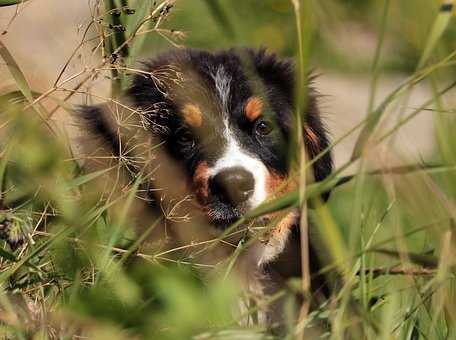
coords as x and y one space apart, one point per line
233 186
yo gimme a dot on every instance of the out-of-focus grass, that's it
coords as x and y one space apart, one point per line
73 265
345 30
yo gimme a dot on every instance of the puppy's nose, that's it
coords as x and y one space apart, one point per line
232 185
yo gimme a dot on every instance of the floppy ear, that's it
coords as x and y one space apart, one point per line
147 89
150 89
316 138
279 74
99 125
144 103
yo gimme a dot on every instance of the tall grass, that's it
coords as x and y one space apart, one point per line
73 263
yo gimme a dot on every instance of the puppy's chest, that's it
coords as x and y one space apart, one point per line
257 303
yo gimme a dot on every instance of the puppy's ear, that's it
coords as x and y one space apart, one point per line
317 141
108 134
98 125
279 74
148 88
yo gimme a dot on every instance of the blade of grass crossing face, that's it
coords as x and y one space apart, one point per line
302 11
291 199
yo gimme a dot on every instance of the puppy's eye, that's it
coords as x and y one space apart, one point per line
263 127
186 138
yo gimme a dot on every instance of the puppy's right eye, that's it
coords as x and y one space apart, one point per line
263 127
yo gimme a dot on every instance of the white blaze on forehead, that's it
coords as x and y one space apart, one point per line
234 155
223 86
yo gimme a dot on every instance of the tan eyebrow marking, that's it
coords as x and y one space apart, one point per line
253 108
192 115
312 136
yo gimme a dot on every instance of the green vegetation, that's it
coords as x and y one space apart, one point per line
72 264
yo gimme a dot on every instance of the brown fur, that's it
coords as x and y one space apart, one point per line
312 137
192 115
200 181
278 185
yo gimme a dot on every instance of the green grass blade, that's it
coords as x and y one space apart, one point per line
291 199
286 201
142 10
220 16
4 3
372 121
332 237
120 222
440 25
7 255
16 72
140 240
438 28
38 250
114 40
376 63
81 180
428 261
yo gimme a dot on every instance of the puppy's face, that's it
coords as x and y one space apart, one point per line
226 118
235 151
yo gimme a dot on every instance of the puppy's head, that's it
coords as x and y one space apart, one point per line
226 118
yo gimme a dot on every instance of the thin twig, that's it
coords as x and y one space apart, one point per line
399 271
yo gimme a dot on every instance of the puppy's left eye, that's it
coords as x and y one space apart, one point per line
263 127
186 138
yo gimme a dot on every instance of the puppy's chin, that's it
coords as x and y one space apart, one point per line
222 215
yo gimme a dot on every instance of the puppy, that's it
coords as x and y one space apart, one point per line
222 125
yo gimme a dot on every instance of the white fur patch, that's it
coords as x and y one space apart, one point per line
278 239
274 247
223 87
234 155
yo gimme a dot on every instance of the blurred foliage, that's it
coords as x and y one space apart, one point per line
345 38
151 300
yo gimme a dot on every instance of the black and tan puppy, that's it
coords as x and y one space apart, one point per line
225 120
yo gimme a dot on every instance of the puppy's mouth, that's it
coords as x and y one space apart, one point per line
223 215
